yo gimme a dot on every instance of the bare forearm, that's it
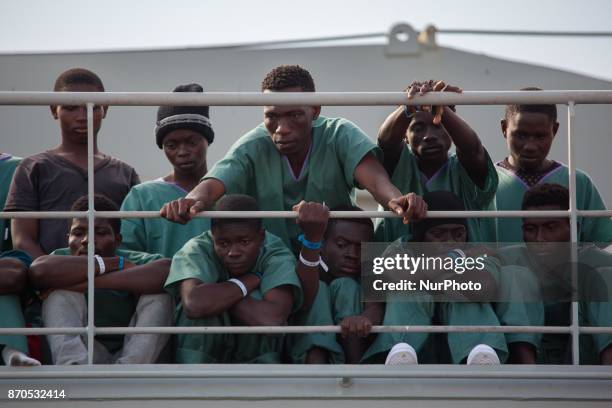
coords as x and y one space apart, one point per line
391 137
374 311
254 312
58 271
470 150
372 176
13 276
462 134
208 192
141 279
308 276
25 236
212 299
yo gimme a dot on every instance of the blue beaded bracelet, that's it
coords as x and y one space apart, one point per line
121 262
308 244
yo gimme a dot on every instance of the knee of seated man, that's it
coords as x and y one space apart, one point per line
60 296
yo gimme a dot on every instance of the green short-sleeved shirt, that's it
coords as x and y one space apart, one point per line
510 197
12 315
555 347
156 235
451 177
197 259
254 166
114 307
8 164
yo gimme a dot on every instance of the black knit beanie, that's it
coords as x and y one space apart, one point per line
438 201
196 118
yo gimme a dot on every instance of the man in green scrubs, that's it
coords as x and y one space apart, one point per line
529 131
416 143
184 133
235 274
295 155
549 270
472 348
129 292
341 268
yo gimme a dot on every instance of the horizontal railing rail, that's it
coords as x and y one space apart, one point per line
293 214
303 98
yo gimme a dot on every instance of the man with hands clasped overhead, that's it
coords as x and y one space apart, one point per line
416 141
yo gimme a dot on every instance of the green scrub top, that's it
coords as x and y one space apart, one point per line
157 235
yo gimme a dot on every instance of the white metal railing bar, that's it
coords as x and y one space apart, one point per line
302 329
43 330
90 235
503 372
571 112
303 98
293 214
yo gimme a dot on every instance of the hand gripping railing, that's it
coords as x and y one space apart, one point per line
569 98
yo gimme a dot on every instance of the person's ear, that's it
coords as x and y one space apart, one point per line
262 233
53 111
316 111
118 239
555 128
504 126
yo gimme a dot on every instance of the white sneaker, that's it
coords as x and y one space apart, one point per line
402 354
16 358
483 355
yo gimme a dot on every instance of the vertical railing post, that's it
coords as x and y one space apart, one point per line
571 112
90 234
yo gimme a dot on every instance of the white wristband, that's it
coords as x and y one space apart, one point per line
100 264
460 252
238 283
309 263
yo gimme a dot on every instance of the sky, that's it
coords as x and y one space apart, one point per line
68 25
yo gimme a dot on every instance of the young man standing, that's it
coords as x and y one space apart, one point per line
128 292
416 143
184 133
53 180
296 155
529 131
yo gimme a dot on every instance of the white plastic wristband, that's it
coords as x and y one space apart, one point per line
238 283
100 264
323 265
309 263
460 252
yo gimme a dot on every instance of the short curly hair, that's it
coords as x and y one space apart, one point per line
546 194
101 203
549 110
331 223
78 76
236 202
288 76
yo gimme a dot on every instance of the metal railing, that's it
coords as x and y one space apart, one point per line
570 98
